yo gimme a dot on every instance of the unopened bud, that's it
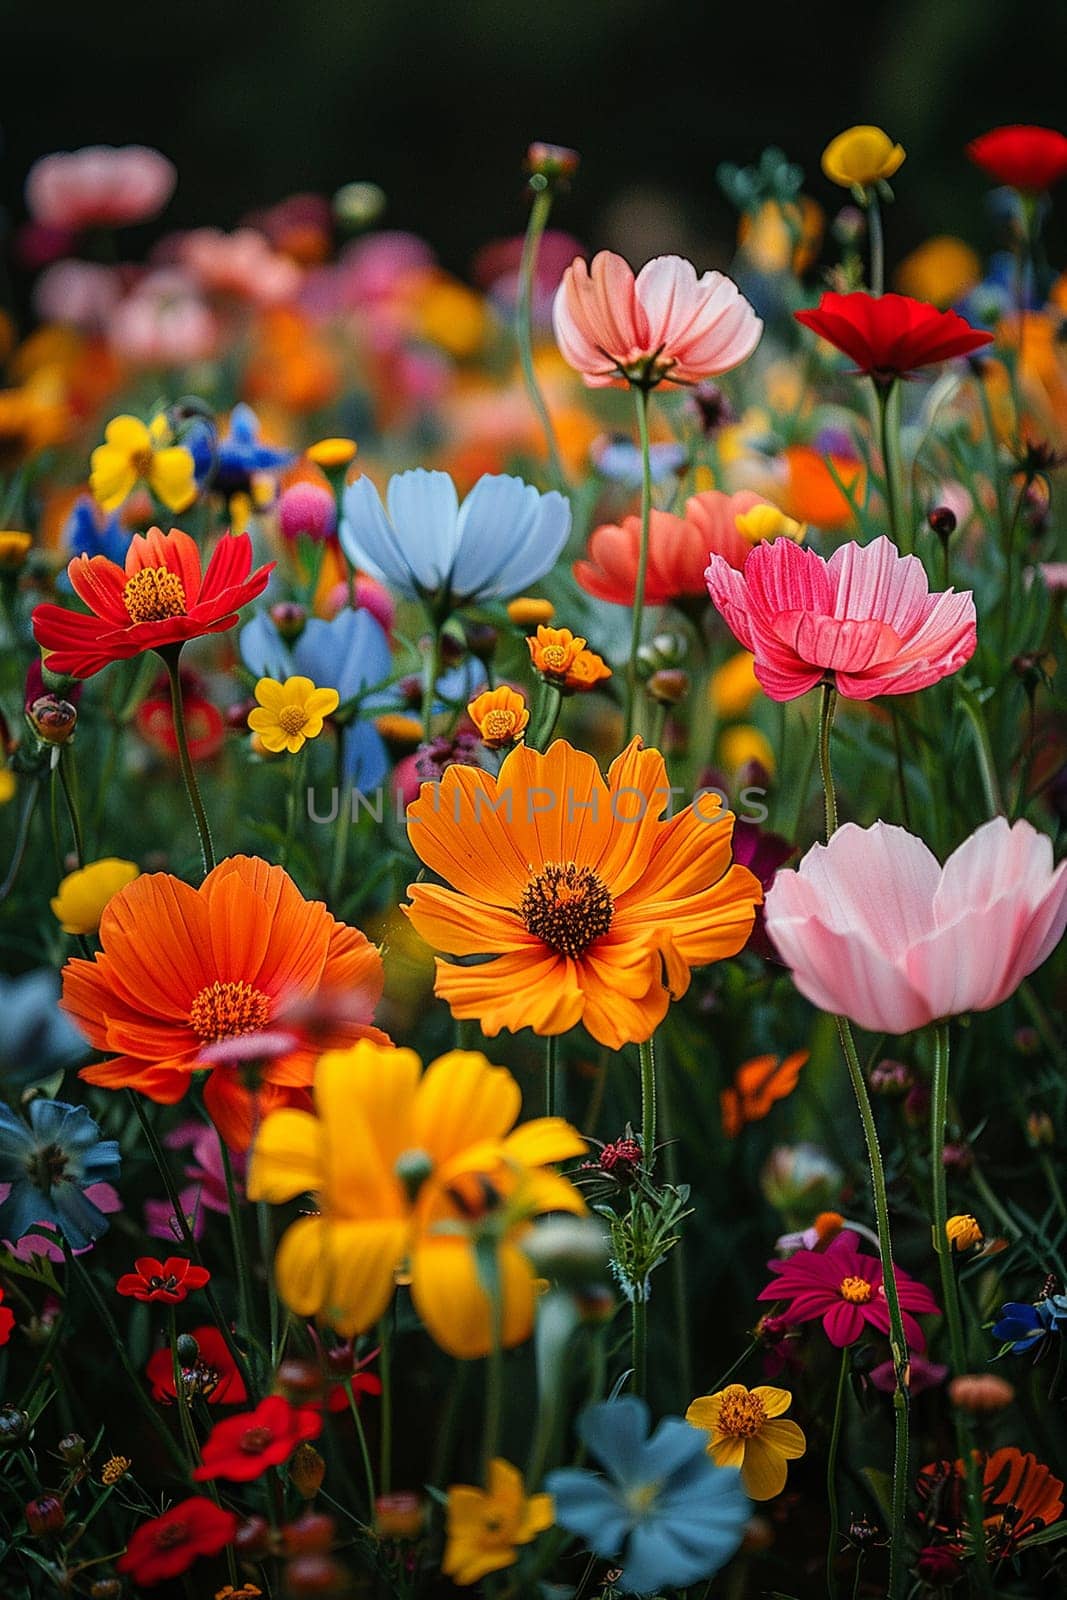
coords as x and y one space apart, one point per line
188 1350
312 1575
669 686
53 720
917 1105
71 1449
398 1516
942 521
359 205
45 1515
14 1426
289 618
891 1078
482 639
299 1380
311 1534
1040 1130
958 1157
551 165
253 1539
307 1470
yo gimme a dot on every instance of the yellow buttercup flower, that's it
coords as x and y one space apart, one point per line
14 548
134 452
767 522
747 1429
734 686
80 900
963 1231
484 1527
528 611
500 716
289 714
861 157
327 453
554 651
412 1172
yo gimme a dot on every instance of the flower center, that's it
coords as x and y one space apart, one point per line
857 1291
255 1440
171 1535
169 1284
568 907
46 1167
742 1414
498 725
153 595
292 719
226 1010
642 1497
554 658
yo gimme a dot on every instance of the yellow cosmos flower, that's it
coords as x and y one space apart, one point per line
500 716
963 1231
554 651
133 453
485 1526
528 612
767 522
411 1173
14 548
81 898
290 713
861 157
746 1429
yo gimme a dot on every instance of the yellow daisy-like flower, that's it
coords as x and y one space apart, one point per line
963 1231
767 522
484 1527
747 1429
500 716
83 895
554 651
14 548
861 157
134 452
290 713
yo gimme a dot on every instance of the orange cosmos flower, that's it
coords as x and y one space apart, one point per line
500 716
757 1085
182 969
554 651
594 905
585 672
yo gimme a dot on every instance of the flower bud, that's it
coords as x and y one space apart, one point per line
958 1157
398 1516
551 166
482 639
1040 1130
253 1539
307 1470
891 1078
71 1449
45 1515
942 521
14 1426
573 1250
188 1350
311 1534
528 612
963 1231
298 1380
939 1567
669 686
307 509
314 1574
917 1105
359 205
981 1393
849 225
289 618
53 720
106 1589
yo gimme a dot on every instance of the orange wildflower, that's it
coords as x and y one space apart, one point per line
586 671
595 906
554 651
811 493
500 716
182 969
757 1085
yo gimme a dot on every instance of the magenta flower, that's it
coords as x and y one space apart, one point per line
844 1290
865 619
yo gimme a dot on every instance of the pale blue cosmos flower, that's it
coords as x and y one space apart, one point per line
38 1039
48 1163
351 654
672 1515
428 546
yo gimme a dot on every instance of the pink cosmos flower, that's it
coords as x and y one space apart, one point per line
875 930
865 618
99 187
164 322
844 1290
665 325
241 266
80 294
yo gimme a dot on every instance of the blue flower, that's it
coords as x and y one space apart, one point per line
350 654
619 459
49 1163
665 1507
425 544
1025 1327
232 461
38 1038
90 532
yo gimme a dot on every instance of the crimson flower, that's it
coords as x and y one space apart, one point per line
213 1376
159 598
169 1281
891 335
168 1545
243 1447
1026 157
844 1290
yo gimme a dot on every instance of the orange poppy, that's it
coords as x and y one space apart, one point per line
757 1085
595 906
182 969
811 492
1020 1496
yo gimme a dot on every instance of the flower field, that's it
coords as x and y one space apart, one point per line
531 1059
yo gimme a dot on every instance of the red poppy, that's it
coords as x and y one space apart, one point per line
213 1376
168 1545
891 335
1026 157
169 1281
159 598
243 1447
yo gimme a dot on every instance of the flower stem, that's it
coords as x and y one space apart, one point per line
527 266
22 836
831 1477
648 1102
292 804
72 806
876 239
494 1372
429 692
639 1342
551 1072
368 1470
240 1253
826 722
385 1370
632 684
890 446
171 656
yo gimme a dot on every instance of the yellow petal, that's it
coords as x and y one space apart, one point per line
112 478
764 1472
128 434
704 1411
364 1097
172 478
361 1273
461 1101
286 1157
449 1297
775 1401
785 1437
271 694
544 1140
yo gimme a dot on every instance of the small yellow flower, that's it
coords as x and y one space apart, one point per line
733 686
767 522
554 651
114 1470
7 785
81 898
586 671
247 1591
738 746
963 1231
290 713
747 1429
397 727
861 157
528 611
941 270
327 453
132 453
485 1526
500 716
14 548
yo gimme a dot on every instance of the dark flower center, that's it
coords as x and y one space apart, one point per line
47 1166
255 1440
170 1535
568 907
169 1284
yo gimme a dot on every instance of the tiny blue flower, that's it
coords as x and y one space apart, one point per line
239 455
1022 1326
428 546
665 1507
38 1038
619 459
49 1163
88 531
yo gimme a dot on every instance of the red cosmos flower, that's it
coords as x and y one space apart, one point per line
168 1545
159 598
205 725
1020 1496
213 1376
891 335
844 1289
1026 157
243 1447
169 1281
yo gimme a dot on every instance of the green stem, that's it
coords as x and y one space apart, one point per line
876 239
804 787
22 837
648 1103
385 1372
171 656
683 1364
995 473
72 806
181 1399
890 446
639 1342
368 1470
240 1252
826 722
433 672
527 266
551 1074
342 825
987 767
831 1477
1009 569
543 724
902 782
638 612
264 1225
292 803
494 1373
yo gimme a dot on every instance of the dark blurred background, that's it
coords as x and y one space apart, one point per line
436 101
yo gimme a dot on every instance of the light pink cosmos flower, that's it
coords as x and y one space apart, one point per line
79 294
664 326
875 930
99 187
164 322
865 619
242 265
